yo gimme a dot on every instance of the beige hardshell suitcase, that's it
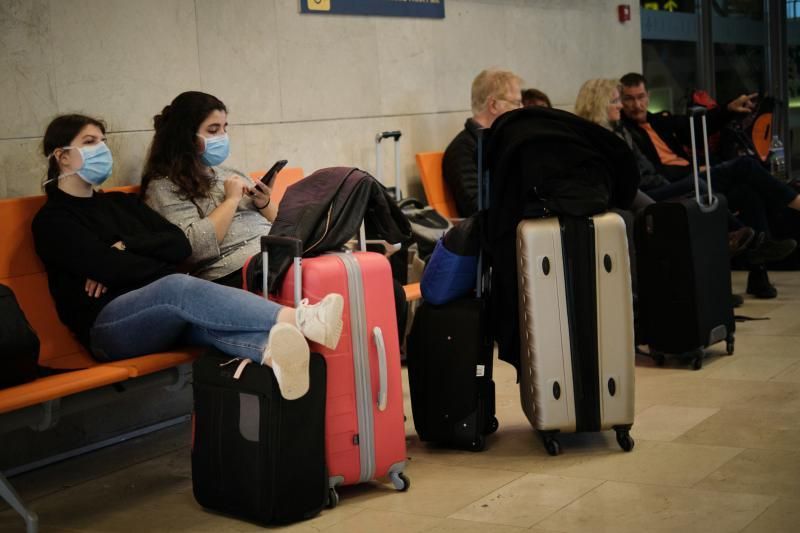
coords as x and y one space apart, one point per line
576 313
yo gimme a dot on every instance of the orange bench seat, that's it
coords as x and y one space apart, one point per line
23 272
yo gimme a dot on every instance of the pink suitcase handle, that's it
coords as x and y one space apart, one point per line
383 392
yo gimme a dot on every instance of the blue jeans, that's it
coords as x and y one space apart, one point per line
677 189
179 309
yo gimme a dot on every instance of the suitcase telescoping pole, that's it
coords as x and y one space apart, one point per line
398 185
693 112
296 246
483 203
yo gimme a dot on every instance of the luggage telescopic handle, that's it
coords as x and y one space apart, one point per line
483 203
388 134
693 112
296 246
383 392
697 110
395 134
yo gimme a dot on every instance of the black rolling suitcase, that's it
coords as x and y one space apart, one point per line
684 272
450 374
255 455
450 355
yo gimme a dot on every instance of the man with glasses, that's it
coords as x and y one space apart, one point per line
493 93
751 190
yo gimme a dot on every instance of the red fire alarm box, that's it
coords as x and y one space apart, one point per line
624 12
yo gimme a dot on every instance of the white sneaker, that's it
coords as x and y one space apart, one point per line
287 353
322 322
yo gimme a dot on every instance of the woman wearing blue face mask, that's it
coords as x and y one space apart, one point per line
222 211
111 262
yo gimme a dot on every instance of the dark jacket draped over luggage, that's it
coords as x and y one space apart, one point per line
545 162
325 210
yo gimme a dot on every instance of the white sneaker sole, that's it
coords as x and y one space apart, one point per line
289 354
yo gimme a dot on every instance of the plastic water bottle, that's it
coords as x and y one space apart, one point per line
777 160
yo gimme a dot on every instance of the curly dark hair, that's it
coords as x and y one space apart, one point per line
60 132
173 152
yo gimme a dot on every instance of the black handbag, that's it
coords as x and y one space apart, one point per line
19 345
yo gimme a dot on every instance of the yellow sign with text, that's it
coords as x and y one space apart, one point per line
319 5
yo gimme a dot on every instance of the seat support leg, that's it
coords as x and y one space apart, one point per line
10 495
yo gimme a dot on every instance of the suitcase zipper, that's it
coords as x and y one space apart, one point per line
358 331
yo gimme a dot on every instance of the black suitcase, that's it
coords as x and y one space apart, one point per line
684 276
450 374
254 454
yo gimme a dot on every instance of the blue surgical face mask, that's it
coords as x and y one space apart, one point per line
96 166
217 149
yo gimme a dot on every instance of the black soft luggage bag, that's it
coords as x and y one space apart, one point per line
450 374
684 275
254 454
19 345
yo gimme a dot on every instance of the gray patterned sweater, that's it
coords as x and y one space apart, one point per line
211 260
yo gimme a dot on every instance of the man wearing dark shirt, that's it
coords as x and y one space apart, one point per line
751 190
493 93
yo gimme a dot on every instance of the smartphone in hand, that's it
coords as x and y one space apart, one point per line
269 177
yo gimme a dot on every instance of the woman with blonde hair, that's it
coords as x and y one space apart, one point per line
599 102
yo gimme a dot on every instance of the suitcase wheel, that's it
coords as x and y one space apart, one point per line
333 498
400 481
552 446
625 440
478 444
729 345
697 359
493 426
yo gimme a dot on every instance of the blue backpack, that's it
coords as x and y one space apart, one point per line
452 270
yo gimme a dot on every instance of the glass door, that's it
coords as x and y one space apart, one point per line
727 47
793 85
669 51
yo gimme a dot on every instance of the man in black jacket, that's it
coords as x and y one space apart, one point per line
751 190
494 92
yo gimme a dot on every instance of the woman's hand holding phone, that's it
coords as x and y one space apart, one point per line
260 194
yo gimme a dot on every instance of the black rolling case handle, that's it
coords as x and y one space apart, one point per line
296 246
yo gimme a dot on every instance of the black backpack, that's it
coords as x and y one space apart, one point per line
19 345
427 225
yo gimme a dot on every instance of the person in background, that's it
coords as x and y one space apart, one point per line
111 266
750 189
494 92
535 97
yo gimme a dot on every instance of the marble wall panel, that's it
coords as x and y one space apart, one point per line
471 39
130 152
24 167
238 48
122 60
27 85
406 64
559 45
328 65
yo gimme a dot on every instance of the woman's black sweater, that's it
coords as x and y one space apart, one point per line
74 237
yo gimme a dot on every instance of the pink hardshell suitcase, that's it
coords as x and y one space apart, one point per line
365 430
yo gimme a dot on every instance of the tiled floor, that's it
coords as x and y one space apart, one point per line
716 450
